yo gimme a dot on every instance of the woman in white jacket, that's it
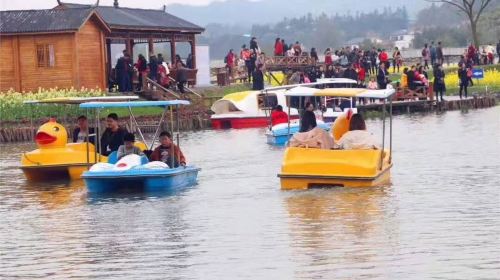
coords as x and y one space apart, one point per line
357 138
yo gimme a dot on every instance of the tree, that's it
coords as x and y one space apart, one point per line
472 9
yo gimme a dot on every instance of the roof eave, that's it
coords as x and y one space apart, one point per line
158 28
38 32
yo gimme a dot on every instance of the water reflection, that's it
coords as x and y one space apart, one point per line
57 194
324 221
439 219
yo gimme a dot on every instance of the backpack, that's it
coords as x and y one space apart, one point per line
225 59
424 53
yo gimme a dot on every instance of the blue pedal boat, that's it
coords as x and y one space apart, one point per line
148 180
141 177
280 134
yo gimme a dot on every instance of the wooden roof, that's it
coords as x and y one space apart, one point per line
46 21
139 19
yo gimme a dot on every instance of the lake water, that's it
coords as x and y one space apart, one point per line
439 219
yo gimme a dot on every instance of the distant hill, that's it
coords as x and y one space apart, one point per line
270 11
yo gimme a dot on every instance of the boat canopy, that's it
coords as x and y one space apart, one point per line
237 102
134 104
319 82
80 100
341 92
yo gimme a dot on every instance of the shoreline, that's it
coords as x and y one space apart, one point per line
12 132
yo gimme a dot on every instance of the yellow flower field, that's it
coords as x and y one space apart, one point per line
12 107
491 79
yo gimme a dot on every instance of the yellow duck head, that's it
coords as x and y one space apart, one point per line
51 135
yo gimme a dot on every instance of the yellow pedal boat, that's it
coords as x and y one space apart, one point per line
55 158
304 168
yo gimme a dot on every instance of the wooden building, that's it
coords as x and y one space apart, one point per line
70 45
49 48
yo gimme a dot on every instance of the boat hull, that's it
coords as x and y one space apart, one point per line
150 180
54 172
308 182
305 168
279 137
68 162
238 123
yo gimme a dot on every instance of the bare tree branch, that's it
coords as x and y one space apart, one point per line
468 7
451 2
484 3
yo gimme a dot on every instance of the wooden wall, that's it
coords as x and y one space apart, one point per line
79 60
8 71
90 56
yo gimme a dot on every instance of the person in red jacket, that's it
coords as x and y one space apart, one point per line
278 47
361 75
278 116
230 60
328 57
384 58
168 152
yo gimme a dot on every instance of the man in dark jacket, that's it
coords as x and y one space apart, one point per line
382 78
258 79
153 67
350 73
112 138
122 71
463 79
498 51
80 132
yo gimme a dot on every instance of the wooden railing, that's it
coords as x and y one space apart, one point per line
292 61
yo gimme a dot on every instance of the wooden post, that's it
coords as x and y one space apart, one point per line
193 50
17 64
151 46
109 65
76 62
172 49
104 72
129 44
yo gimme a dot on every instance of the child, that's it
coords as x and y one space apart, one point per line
128 147
372 84
166 150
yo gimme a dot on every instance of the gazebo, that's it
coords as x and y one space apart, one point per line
131 26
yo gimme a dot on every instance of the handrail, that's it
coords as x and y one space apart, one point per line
186 88
161 87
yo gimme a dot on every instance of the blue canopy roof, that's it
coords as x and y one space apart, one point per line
134 104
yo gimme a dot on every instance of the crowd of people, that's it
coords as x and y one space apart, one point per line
370 65
156 69
119 140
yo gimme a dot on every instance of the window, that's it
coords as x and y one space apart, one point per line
268 101
45 55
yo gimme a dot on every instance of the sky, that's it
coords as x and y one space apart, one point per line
47 4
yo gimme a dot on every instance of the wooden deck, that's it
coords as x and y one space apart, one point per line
450 103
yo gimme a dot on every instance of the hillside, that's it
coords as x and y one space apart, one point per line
270 11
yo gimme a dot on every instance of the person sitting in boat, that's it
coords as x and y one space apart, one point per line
80 132
168 152
128 147
112 138
308 120
357 138
278 116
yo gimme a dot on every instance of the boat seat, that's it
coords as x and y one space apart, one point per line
113 157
